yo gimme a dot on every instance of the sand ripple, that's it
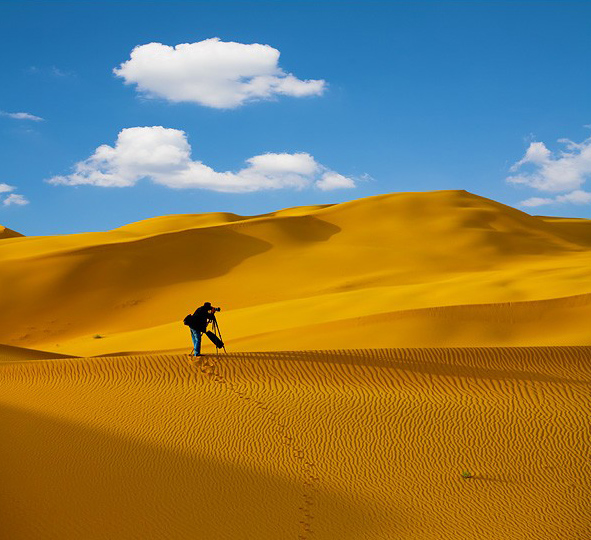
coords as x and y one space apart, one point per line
315 444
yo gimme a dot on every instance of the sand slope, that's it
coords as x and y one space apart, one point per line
5 232
284 274
325 445
10 354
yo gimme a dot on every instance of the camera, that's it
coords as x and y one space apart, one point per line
216 308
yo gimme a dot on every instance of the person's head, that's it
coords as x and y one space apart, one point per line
210 308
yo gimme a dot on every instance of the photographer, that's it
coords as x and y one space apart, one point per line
201 318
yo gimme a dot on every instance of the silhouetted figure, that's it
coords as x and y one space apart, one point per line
201 318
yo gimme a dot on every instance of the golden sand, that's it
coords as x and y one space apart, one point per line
444 268
313 445
430 334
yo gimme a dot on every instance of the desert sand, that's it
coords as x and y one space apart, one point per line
444 268
377 349
359 444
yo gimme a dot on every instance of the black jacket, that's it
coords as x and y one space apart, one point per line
201 319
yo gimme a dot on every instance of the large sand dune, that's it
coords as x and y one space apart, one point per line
325 445
445 333
402 269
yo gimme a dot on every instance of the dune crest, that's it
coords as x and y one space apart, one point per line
11 354
287 273
5 232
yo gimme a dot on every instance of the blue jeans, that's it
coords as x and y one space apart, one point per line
196 337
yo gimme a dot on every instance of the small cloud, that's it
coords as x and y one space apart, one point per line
331 180
366 177
213 73
21 116
555 172
14 198
51 71
163 155
574 197
536 201
57 72
5 188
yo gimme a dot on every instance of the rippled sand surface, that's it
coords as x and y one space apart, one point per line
344 444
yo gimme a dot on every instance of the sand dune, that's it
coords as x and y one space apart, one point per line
429 334
563 320
559 321
292 272
325 445
5 232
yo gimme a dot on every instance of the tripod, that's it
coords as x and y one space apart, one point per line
217 332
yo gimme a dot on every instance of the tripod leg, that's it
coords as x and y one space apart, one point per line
218 332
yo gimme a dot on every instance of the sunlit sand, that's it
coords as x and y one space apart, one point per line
378 349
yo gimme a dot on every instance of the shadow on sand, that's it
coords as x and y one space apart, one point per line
64 480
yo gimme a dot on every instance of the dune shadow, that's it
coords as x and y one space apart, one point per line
66 480
166 259
306 228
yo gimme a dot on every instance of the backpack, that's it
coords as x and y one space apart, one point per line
189 320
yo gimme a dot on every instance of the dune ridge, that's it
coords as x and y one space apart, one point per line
9 354
290 271
563 320
558 321
5 232
311 444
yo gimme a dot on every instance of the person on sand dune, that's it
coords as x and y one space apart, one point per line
201 318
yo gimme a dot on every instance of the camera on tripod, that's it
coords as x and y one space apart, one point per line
216 309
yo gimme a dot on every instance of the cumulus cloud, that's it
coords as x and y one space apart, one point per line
332 180
213 73
565 171
536 201
15 198
163 155
5 188
21 116
574 197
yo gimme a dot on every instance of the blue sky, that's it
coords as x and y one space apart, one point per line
385 97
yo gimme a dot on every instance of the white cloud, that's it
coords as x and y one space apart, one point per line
566 171
332 180
51 71
164 156
14 198
5 188
21 116
213 73
536 201
574 197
